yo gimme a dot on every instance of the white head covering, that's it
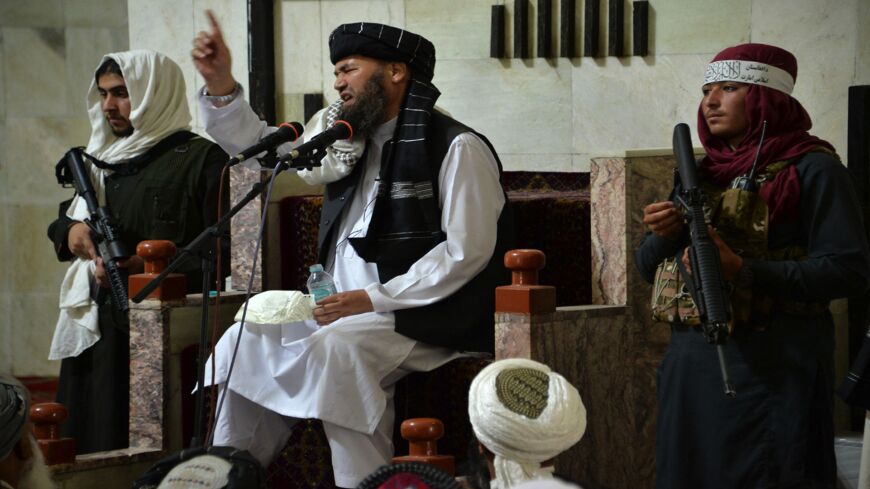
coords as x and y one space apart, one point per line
525 414
158 108
158 105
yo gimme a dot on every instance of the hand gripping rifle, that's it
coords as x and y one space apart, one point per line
708 291
104 231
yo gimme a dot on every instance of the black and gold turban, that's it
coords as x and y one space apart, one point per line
386 43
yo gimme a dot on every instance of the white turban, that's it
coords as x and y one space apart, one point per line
525 414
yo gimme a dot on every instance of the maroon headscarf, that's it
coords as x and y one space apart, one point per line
786 136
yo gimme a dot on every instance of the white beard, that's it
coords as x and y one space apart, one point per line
36 475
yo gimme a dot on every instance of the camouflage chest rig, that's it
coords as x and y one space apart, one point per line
741 219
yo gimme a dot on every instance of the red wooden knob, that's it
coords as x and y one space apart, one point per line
46 418
156 254
422 435
524 265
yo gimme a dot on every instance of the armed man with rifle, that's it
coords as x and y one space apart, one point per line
143 175
788 238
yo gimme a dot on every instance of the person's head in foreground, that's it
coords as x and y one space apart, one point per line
747 93
21 462
524 415
205 468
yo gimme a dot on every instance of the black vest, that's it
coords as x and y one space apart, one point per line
465 320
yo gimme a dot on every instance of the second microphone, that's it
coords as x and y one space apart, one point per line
340 130
286 133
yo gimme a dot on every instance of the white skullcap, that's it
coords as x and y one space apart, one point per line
203 471
525 414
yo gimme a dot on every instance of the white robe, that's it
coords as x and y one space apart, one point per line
343 373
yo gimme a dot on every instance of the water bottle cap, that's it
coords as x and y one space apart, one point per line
317 267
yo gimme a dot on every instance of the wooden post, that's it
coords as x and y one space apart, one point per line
46 418
497 32
157 254
591 28
521 29
423 435
567 29
545 28
640 28
525 295
615 30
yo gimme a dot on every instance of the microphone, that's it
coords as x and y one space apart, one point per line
287 132
340 130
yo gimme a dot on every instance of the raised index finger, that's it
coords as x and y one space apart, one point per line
215 27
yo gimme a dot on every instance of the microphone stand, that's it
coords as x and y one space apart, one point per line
197 246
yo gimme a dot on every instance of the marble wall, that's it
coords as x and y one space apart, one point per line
48 51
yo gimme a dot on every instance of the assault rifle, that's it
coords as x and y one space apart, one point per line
104 232
708 291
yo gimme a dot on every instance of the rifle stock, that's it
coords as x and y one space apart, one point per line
104 231
709 292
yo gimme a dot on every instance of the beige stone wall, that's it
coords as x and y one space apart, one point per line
557 114
551 114
48 52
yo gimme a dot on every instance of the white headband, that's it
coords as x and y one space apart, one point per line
749 72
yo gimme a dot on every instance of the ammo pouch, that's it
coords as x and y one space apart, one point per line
671 300
741 219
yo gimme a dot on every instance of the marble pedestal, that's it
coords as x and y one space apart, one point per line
159 331
609 350
244 229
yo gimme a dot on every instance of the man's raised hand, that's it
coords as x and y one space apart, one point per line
212 59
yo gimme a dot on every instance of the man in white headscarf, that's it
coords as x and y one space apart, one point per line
160 181
524 415
21 462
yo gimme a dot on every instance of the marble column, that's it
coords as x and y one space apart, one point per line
244 228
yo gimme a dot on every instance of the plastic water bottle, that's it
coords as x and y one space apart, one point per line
320 282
